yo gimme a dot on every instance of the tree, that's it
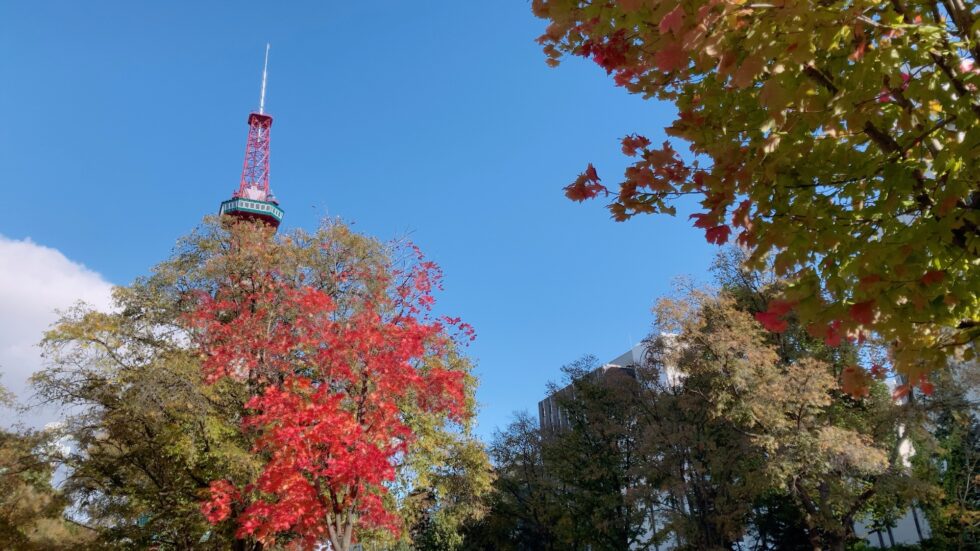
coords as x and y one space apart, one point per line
835 456
839 139
332 390
525 508
951 458
449 497
597 460
149 434
704 467
31 510
579 485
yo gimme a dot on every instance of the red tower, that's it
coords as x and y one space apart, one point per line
254 200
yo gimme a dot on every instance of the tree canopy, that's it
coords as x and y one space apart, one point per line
156 399
30 507
723 434
839 140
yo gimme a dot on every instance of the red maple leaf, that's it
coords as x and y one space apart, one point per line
702 220
877 371
863 312
673 22
933 276
781 307
586 186
633 142
772 322
671 57
833 338
591 174
717 234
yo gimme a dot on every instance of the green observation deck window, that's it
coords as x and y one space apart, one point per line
251 206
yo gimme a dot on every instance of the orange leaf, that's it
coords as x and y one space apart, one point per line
854 381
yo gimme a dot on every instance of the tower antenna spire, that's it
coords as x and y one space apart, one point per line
254 200
265 73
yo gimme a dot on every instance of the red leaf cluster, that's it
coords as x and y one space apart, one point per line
633 142
863 312
773 319
586 186
609 52
221 496
933 277
331 387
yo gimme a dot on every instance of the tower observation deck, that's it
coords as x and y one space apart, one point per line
253 200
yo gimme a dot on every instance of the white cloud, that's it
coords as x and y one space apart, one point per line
35 282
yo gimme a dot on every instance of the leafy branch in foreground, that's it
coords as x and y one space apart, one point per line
839 140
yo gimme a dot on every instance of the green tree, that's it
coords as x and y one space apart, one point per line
576 485
838 138
525 507
951 458
596 462
149 435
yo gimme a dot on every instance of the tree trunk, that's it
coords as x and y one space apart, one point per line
245 545
835 542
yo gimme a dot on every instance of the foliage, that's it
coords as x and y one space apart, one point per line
332 391
574 487
954 461
31 510
597 459
454 492
149 434
723 432
839 139
526 511
836 457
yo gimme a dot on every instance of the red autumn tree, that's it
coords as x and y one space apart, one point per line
333 386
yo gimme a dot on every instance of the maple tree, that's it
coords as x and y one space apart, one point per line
148 434
838 140
332 388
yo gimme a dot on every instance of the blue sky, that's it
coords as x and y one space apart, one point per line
125 123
